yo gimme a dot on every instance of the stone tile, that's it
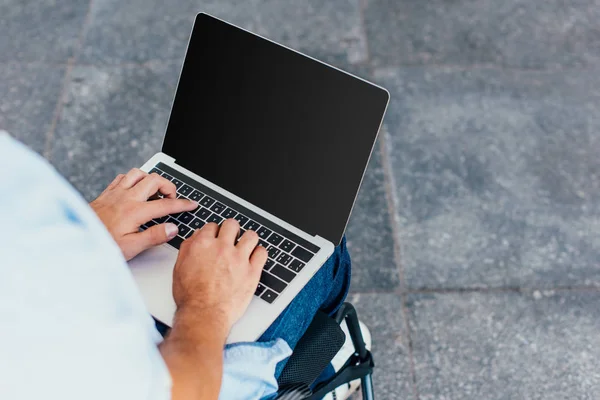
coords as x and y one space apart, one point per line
517 33
29 95
44 30
113 120
497 175
142 30
382 314
369 234
506 345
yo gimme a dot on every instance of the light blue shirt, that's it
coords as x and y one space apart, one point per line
72 322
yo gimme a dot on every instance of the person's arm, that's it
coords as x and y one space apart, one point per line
213 281
193 352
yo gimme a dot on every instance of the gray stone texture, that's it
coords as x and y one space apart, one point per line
41 30
536 345
28 98
113 120
142 30
514 33
497 176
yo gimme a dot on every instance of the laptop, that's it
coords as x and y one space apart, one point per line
273 138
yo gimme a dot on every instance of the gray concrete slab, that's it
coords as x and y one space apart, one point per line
539 345
44 30
497 176
142 30
514 33
113 119
28 98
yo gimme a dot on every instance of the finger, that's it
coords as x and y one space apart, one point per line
132 177
230 229
248 242
162 207
209 230
155 183
116 181
135 243
258 260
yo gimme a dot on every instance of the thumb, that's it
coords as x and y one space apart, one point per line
153 236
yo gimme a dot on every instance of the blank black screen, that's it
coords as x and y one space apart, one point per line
284 132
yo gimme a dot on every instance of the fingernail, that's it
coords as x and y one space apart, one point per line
171 230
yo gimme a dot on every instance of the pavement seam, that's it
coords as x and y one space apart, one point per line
63 93
392 202
362 4
506 289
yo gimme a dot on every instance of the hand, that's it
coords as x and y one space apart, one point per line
213 275
124 206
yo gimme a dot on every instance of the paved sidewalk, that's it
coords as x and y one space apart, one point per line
476 237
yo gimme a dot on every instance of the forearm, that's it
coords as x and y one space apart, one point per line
193 352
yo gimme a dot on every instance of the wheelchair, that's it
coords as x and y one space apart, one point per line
313 353
315 350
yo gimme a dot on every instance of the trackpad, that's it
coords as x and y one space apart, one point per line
153 274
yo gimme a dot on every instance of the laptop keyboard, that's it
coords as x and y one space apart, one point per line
286 256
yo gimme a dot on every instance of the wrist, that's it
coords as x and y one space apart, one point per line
198 324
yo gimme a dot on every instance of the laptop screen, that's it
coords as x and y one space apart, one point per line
285 132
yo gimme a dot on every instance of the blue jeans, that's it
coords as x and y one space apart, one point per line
326 291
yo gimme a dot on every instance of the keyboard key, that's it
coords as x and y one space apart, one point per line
263 232
252 226
207 201
287 245
272 282
242 219
275 239
283 273
296 266
196 223
218 207
302 254
196 196
263 243
185 190
284 259
186 217
215 218
203 213
183 230
190 233
177 183
269 296
150 223
259 289
228 213
167 176
161 219
269 264
155 171
176 242
273 251
173 221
